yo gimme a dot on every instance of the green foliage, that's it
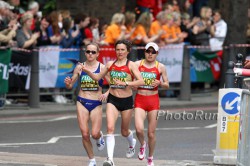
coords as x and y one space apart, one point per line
46 6
49 6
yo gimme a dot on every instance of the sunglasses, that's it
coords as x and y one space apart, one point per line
92 52
151 51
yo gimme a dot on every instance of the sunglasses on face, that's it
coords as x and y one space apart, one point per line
92 52
151 51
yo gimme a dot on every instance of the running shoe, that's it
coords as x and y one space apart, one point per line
142 152
100 143
131 149
92 163
150 162
108 162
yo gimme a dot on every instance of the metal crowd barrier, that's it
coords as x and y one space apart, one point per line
243 152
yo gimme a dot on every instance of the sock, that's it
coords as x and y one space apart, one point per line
150 157
130 138
110 141
144 144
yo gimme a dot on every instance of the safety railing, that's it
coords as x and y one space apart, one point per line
243 152
187 64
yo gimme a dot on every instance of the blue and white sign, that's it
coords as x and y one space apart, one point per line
229 102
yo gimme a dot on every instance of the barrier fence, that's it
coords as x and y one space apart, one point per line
46 67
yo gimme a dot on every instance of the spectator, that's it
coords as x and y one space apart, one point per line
156 26
141 34
67 38
129 23
187 25
187 7
88 31
54 28
34 8
42 27
177 28
94 27
116 30
200 29
25 38
5 14
17 9
7 35
170 35
81 22
218 32
143 6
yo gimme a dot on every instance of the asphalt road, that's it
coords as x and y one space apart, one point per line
181 135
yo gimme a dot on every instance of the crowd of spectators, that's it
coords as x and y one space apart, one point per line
172 24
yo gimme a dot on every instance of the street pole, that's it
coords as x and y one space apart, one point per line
34 93
185 91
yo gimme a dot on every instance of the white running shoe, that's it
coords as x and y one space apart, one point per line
131 149
142 152
92 163
150 162
108 162
63 99
100 143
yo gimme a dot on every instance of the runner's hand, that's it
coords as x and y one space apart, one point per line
103 97
156 83
119 82
67 81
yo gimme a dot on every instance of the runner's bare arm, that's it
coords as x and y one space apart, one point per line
100 75
134 69
164 83
69 82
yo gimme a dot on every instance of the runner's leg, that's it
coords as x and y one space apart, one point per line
152 123
140 116
83 118
112 115
96 122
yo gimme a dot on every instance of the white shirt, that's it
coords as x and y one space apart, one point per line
217 41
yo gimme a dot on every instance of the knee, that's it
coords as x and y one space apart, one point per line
85 136
125 132
151 135
95 135
110 129
139 131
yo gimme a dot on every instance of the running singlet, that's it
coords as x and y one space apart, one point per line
149 75
88 84
122 73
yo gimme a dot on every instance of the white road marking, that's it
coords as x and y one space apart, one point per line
211 126
207 154
16 162
54 140
39 120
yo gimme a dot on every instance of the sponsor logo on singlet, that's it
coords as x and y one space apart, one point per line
122 76
88 84
148 78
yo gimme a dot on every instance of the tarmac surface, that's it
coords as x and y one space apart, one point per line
198 102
